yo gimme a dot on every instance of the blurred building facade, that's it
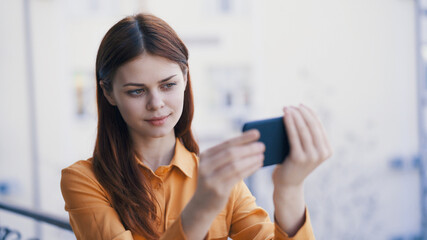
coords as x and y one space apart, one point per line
353 62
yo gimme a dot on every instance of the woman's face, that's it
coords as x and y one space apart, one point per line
149 93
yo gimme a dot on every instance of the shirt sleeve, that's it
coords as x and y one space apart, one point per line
90 212
252 222
305 232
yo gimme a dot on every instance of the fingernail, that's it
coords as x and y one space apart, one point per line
253 132
261 159
261 146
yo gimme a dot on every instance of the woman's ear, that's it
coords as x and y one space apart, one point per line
107 94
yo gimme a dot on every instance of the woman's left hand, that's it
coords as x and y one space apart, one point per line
309 147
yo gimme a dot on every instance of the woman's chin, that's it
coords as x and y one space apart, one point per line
159 134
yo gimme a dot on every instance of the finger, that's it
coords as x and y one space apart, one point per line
241 169
314 127
303 132
235 154
291 130
322 128
246 137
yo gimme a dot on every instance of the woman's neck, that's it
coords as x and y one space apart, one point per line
156 152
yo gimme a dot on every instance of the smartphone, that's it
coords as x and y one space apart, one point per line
273 135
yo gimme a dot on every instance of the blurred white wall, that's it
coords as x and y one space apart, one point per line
353 62
15 150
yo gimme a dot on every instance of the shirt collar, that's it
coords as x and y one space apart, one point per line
183 159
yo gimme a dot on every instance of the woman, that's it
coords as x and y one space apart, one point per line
146 179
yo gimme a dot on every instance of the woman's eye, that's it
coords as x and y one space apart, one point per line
136 92
169 85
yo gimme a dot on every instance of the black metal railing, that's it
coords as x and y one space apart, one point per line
7 233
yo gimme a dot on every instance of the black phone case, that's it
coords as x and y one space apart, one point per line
273 135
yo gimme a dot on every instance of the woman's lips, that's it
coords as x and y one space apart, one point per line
157 121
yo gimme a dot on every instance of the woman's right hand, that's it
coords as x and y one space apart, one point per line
220 168
223 165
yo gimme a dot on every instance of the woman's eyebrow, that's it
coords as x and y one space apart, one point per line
141 84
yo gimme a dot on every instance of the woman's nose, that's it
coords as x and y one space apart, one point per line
155 101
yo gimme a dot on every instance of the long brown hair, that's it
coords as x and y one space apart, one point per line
114 160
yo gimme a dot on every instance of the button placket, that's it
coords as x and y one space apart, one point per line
160 195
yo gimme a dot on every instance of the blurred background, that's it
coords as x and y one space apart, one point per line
359 64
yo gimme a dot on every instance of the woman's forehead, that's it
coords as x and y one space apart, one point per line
147 69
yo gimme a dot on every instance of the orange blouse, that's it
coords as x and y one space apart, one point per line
93 217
